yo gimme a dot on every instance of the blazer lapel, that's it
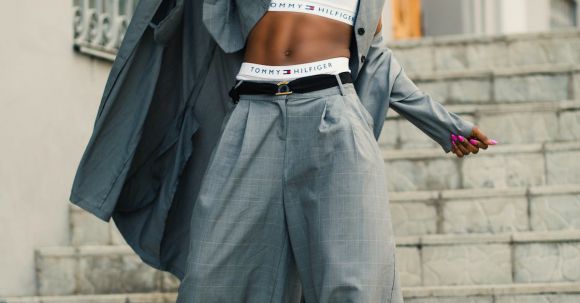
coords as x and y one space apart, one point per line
367 17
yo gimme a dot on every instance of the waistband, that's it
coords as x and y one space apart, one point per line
315 8
348 88
273 73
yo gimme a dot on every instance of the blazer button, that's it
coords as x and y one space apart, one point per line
362 59
361 31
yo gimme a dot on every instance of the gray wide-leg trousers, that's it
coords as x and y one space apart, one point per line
293 203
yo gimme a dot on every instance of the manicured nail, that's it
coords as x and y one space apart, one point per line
453 142
493 142
473 141
461 139
453 137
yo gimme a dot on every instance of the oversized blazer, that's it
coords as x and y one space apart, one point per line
163 105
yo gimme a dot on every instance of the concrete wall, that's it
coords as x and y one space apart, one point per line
48 99
443 17
387 21
519 16
490 17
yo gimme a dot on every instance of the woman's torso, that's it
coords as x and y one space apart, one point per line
294 37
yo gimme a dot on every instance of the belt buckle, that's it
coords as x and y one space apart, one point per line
283 88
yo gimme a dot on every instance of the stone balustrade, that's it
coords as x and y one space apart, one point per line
100 25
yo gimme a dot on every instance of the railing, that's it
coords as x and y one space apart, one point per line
100 25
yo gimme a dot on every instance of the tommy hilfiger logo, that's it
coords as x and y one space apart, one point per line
325 11
299 70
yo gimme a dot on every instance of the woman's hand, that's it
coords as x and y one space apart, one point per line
464 146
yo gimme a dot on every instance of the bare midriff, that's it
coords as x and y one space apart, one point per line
286 38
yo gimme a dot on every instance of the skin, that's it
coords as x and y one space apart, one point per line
465 148
287 38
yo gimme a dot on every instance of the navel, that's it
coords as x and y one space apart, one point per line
287 52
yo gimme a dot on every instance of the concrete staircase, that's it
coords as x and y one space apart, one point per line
502 226
465 53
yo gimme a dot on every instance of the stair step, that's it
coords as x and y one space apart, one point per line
101 298
518 257
92 269
552 122
473 52
87 229
511 293
459 211
429 260
472 211
493 293
532 83
501 166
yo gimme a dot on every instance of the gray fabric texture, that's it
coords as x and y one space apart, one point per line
293 200
165 100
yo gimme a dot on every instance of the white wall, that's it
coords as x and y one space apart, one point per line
444 17
485 17
387 17
538 15
48 99
513 16
519 16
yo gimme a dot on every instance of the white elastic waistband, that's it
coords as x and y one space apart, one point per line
325 10
257 72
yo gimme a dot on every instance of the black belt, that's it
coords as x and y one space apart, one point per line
299 85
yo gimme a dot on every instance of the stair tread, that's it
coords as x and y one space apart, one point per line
503 108
408 292
494 72
483 238
491 289
469 38
466 193
502 148
93 298
504 237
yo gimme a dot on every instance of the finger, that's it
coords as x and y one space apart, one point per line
453 138
478 133
458 153
478 143
453 148
458 150
463 149
472 148
462 145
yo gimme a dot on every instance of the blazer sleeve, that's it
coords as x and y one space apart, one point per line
418 107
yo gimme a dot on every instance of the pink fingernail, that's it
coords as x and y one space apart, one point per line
453 142
461 139
453 137
493 142
473 141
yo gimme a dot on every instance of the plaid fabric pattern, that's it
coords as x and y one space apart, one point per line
293 203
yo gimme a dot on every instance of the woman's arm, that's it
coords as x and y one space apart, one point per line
420 109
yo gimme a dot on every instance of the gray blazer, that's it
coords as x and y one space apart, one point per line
165 99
